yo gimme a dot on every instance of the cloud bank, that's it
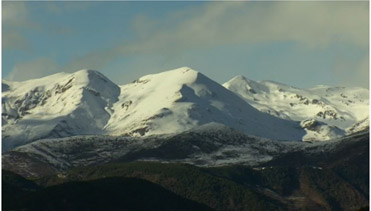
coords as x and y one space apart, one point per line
36 68
310 25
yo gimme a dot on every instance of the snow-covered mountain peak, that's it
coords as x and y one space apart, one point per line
57 105
239 78
87 75
176 77
170 102
181 99
159 103
83 77
95 83
57 92
337 106
247 85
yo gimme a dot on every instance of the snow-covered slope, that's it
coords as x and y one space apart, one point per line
359 126
181 99
56 106
336 106
212 144
87 103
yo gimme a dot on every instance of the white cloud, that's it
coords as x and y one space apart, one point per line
311 24
14 13
15 16
33 69
61 7
351 72
16 19
14 40
315 24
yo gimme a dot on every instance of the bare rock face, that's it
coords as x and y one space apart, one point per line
310 124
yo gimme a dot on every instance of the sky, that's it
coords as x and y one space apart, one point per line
302 44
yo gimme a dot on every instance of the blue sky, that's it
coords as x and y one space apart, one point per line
298 43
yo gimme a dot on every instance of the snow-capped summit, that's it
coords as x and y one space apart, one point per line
170 102
181 99
337 106
55 106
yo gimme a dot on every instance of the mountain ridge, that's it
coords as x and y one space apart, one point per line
56 106
336 106
88 103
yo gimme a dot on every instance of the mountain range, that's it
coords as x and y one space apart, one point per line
229 171
78 141
88 103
